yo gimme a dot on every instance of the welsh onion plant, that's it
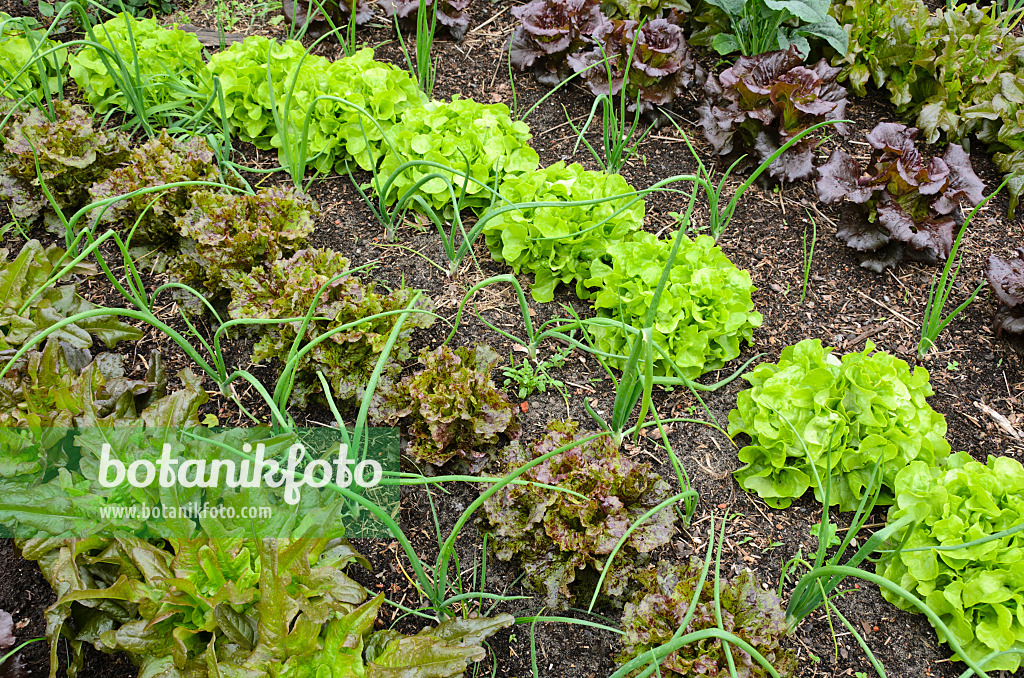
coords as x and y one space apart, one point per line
618 135
933 323
185 96
808 255
720 215
425 68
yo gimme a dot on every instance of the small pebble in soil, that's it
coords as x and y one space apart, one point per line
838 339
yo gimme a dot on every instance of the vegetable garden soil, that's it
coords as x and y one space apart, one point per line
977 377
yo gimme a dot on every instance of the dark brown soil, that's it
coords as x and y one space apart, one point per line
846 306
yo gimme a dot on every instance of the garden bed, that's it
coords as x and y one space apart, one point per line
973 373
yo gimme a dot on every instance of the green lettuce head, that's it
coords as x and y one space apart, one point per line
865 406
978 590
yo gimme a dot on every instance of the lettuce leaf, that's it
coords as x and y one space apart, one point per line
558 244
976 590
855 410
705 310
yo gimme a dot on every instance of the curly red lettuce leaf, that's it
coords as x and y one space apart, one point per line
287 288
72 154
556 535
649 64
1006 277
451 14
763 101
161 160
911 203
661 605
453 405
551 30
225 235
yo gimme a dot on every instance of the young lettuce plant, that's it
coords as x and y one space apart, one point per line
155 74
551 30
910 202
667 592
960 552
761 102
648 63
32 67
454 407
555 534
66 153
559 244
812 415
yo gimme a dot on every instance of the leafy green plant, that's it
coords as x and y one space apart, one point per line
557 533
315 285
763 101
812 415
759 26
138 65
226 235
559 244
530 378
63 386
910 204
479 140
340 109
262 608
161 160
656 612
67 154
704 313
30 63
892 45
453 405
550 30
647 63
961 553
24 312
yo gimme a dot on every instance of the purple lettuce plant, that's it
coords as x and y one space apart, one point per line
763 101
651 618
648 63
450 13
559 534
550 31
1006 277
453 405
912 204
